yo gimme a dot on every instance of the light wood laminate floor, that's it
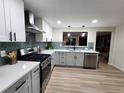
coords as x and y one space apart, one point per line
106 79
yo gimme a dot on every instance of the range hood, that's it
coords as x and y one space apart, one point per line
30 23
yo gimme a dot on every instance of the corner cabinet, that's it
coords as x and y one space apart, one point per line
12 26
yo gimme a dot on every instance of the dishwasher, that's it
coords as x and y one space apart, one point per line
91 60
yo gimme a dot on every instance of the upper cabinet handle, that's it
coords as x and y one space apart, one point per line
14 36
10 36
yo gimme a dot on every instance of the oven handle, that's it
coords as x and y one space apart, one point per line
43 66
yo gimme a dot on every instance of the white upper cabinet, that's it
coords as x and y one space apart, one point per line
47 36
17 20
12 25
3 34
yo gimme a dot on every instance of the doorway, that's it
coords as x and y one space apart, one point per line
103 40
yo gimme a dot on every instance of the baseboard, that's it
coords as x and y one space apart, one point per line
118 67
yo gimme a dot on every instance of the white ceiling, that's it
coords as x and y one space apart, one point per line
79 12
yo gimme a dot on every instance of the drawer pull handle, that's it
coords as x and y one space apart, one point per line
36 70
21 85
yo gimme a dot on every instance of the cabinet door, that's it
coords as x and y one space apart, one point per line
3 34
36 80
71 59
17 20
57 58
79 59
8 19
53 61
28 84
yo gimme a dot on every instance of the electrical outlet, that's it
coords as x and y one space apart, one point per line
2 53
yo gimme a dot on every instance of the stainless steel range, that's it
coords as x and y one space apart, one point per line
45 64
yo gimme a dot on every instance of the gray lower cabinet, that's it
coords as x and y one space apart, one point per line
53 60
36 80
62 58
57 58
79 59
69 58
75 59
21 86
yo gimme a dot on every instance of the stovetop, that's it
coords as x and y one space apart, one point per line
35 57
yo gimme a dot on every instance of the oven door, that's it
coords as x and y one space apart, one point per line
45 73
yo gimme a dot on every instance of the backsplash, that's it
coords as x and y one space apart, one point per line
59 45
9 46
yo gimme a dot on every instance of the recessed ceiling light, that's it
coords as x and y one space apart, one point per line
59 22
68 34
83 34
95 21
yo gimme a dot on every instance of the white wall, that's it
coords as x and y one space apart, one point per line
58 33
117 55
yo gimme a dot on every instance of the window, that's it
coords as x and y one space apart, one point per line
75 38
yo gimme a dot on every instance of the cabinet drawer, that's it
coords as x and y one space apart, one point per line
62 63
19 85
62 54
35 70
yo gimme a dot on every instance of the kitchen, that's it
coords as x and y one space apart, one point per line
46 48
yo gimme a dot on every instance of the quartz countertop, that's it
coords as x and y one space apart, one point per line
51 51
10 74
